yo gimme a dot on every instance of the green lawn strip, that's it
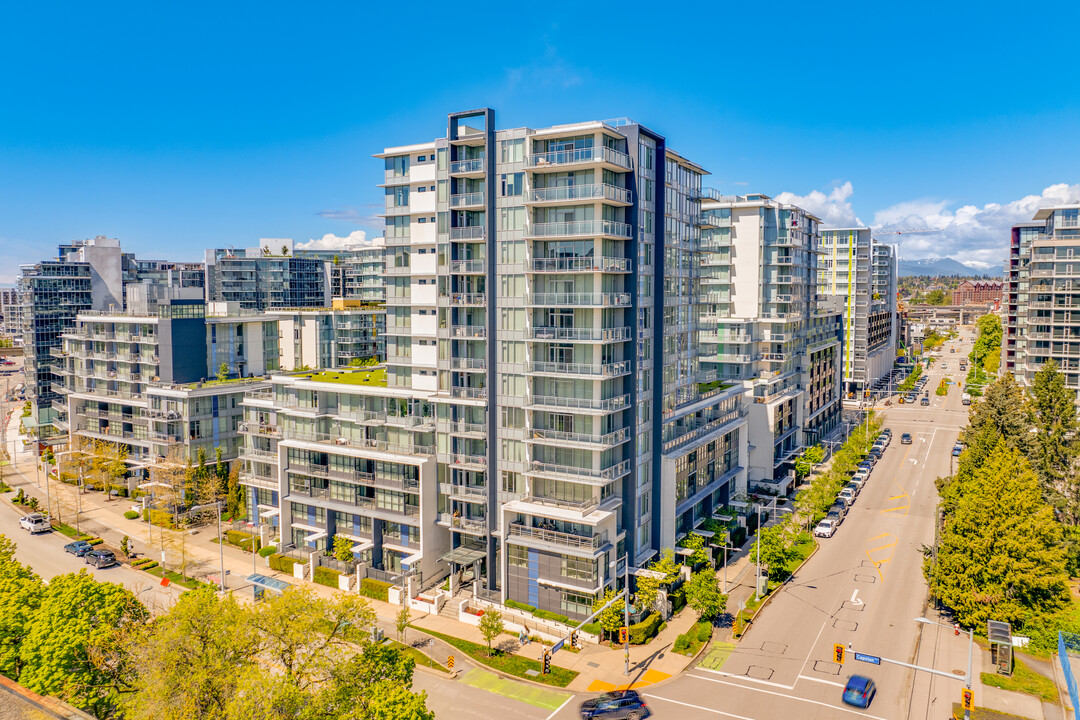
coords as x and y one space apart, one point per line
420 658
189 583
981 713
537 697
1024 680
508 663
717 655
70 531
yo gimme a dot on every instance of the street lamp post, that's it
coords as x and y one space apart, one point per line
614 565
221 549
971 648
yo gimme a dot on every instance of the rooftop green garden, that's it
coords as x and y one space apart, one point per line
375 378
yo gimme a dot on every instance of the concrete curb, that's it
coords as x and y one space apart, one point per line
774 593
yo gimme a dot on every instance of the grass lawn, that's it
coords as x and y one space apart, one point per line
984 714
508 663
69 531
1024 680
362 377
535 696
189 583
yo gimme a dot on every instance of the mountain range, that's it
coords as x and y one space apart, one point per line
943 266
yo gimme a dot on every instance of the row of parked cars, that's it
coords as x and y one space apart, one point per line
35 523
848 494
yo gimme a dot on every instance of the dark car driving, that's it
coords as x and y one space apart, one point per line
626 704
905 439
100 558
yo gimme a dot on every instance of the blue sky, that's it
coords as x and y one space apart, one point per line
205 125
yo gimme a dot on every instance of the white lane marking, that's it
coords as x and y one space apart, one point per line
559 708
855 597
821 680
790 697
745 677
696 707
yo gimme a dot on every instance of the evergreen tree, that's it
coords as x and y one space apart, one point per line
1054 448
1000 553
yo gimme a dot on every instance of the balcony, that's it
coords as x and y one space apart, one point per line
476 526
592 335
468 267
554 537
572 472
265 456
572 404
460 427
473 232
467 200
474 166
581 228
559 159
544 436
261 429
589 370
468 299
578 193
593 299
468 332
463 363
468 393
582 264
464 460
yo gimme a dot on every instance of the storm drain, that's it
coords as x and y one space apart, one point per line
759 672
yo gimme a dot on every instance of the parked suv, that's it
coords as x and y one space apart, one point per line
825 528
100 558
847 495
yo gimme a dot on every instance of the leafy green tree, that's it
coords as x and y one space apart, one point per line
987 341
703 594
372 685
234 495
611 619
1055 449
191 659
695 542
223 372
20 595
491 626
74 629
806 461
1000 555
936 297
775 553
402 622
343 548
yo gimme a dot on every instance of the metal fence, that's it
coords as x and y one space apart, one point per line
1067 642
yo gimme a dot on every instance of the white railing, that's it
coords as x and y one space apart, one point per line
582 299
580 155
581 264
581 227
593 191
467 199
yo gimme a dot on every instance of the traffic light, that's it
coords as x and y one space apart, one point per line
449 662
967 699
573 638
547 662
838 653
624 634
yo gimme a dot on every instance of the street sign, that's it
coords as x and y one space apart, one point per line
557 646
872 659
450 662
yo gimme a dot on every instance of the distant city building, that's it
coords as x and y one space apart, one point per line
11 314
861 275
266 277
345 334
978 292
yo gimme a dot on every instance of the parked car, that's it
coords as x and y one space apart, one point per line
911 398
835 517
100 558
854 487
957 449
859 479
840 504
925 400
618 705
965 399
859 691
825 528
35 523
905 439
847 495
78 548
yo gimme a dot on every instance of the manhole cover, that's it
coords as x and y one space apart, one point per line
839 624
592 664
866 578
774 647
759 672
826 667
848 605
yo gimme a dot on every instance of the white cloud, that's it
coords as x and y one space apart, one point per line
977 236
355 240
834 209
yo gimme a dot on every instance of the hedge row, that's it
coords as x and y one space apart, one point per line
643 631
542 614
267 551
375 589
327 576
284 563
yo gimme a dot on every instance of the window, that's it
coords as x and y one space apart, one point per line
578 568
574 603
511 151
512 184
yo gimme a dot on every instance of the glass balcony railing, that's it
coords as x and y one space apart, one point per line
582 264
555 537
576 156
574 193
575 228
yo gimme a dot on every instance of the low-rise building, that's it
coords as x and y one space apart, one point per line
977 292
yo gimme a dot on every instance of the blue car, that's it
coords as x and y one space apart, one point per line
957 449
78 548
859 691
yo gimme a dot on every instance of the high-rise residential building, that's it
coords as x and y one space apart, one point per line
266 277
859 273
1015 294
1042 269
10 314
351 332
543 300
154 381
356 274
767 329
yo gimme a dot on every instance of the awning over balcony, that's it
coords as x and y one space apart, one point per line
465 555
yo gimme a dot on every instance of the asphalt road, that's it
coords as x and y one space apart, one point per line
863 589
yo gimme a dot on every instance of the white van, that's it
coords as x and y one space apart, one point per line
965 399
